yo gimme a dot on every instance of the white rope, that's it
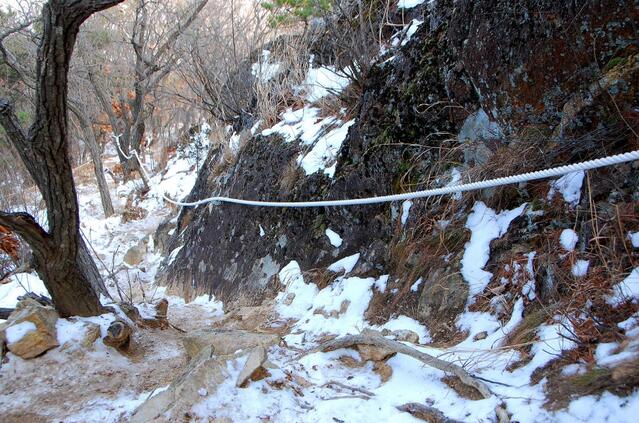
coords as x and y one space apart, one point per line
473 186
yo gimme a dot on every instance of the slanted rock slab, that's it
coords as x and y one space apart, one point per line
226 342
203 374
255 360
30 330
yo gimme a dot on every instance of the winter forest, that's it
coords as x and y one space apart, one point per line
319 211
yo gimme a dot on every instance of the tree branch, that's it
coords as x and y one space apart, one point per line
181 27
16 133
26 227
379 341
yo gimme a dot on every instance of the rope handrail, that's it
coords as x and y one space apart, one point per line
472 186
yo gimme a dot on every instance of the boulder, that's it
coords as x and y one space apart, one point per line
254 364
226 342
30 330
203 375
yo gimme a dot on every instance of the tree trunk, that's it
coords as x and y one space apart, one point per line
60 257
94 150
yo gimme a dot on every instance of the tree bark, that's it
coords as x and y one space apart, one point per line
59 252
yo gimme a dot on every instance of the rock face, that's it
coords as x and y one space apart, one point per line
30 330
224 342
519 71
203 374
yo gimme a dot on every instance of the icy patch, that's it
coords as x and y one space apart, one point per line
346 265
325 151
299 123
406 205
485 225
16 332
104 409
20 284
628 289
262 233
569 186
568 239
580 268
334 238
455 178
634 239
610 354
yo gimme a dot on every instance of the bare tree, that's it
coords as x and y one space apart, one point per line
28 79
155 58
59 254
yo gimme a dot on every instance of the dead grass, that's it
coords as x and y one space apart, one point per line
620 380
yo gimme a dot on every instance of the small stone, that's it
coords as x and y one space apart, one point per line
372 353
118 335
405 335
202 392
383 370
91 334
289 299
480 336
162 309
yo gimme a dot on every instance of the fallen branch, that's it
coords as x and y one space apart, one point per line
424 412
352 388
378 341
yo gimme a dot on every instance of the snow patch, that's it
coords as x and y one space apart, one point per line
334 238
580 268
485 225
409 4
346 265
406 205
569 186
628 289
324 151
16 332
568 239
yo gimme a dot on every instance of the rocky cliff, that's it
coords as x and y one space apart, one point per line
483 88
